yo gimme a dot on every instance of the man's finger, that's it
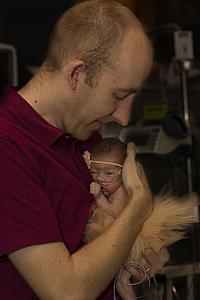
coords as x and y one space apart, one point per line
131 146
131 149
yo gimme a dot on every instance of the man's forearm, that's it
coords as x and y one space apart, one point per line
53 274
98 262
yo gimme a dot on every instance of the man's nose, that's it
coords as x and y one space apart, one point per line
122 113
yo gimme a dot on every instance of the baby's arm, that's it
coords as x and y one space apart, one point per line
117 203
118 200
101 200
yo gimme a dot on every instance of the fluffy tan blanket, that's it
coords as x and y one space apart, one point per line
167 224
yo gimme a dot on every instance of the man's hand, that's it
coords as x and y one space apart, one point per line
134 179
132 172
151 261
123 288
155 261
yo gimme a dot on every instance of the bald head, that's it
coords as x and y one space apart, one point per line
91 31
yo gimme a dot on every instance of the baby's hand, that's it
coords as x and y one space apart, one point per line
95 190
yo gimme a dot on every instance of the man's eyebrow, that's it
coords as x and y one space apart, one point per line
128 91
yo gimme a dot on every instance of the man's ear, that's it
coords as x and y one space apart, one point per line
75 73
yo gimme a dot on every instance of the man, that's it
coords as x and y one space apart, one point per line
97 59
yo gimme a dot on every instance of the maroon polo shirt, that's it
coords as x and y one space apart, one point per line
44 188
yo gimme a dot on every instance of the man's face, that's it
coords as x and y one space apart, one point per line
112 98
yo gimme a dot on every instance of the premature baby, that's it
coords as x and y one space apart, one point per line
167 223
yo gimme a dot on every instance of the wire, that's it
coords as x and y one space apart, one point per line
144 271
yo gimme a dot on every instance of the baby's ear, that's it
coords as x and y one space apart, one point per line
119 172
86 157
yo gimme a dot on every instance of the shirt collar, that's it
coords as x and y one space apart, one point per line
24 113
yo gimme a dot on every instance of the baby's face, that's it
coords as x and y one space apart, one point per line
108 176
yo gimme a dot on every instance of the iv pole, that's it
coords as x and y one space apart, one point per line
185 66
184 55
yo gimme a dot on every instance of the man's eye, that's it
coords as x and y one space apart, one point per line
120 97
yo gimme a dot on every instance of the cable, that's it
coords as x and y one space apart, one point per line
144 271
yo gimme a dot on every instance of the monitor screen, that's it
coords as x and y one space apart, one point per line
8 67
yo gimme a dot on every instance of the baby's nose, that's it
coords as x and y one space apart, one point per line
100 178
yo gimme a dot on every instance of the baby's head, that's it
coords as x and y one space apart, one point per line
106 161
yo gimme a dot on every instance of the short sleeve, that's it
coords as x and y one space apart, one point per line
27 216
